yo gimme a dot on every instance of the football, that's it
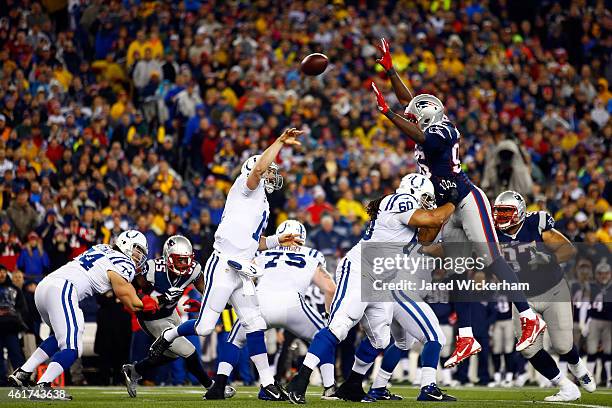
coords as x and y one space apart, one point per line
314 64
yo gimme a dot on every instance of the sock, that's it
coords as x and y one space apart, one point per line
591 364
431 354
428 376
322 348
54 370
509 376
527 313
545 365
382 379
502 270
37 358
447 376
366 352
361 367
464 315
194 366
259 357
496 358
557 379
327 374
225 368
465 332
497 377
391 358
221 380
607 359
510 363
146 364
170 335
355 377
186 329
299 383
229 354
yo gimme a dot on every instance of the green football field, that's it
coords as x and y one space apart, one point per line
179 397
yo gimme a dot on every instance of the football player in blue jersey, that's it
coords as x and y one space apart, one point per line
470 228
535 249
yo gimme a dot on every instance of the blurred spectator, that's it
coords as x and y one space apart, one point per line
12 311
10 245
22 215
33 259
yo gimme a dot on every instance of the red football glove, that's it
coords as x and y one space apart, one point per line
411 117
385 60
149 305
191 306
380 100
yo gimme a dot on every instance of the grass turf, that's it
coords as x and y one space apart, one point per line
179 397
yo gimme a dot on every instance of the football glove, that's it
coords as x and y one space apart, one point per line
447 192
380 100
191 306
385 60
149 305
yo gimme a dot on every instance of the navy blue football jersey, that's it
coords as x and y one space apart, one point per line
518 251
438 158
580 293
601 301
169 289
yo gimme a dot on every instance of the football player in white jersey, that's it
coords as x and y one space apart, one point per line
98 270
288 272
229 272
393 219
163 282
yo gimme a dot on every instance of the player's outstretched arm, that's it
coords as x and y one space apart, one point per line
409 128
432 218
125 292
324 282
401 90
559 245
273 241
289 138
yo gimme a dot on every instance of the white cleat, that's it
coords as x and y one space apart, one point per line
584 377
568 392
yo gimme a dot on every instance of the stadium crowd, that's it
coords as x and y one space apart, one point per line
117 114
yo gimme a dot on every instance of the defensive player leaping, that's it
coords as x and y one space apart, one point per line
98 270
162 284
288 273
471 225
229 271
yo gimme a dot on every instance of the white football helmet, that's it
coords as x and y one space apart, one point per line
427 108
178 254
272 180
509 210
133 244
420 187
292 227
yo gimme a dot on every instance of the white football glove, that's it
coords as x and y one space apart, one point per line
174 293
538 258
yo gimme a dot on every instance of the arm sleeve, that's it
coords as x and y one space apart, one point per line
545 221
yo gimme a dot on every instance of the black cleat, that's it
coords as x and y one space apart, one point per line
215 392
20 378
272 392
383 394
432 392
353 391
329 393
159 346
131 379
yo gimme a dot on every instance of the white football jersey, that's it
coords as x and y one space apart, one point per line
244 218
89 271
288 269
391 224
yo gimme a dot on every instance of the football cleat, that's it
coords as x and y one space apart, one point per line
584 377
44 392
568 392
433 393
353 391
531 329
464 348
131 378
329 393
272 392
383 394
20 378
159 346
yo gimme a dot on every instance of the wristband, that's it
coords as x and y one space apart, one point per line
272 241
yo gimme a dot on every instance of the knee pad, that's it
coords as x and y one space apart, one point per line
563 344
182 347
254 323
340 326
533 349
